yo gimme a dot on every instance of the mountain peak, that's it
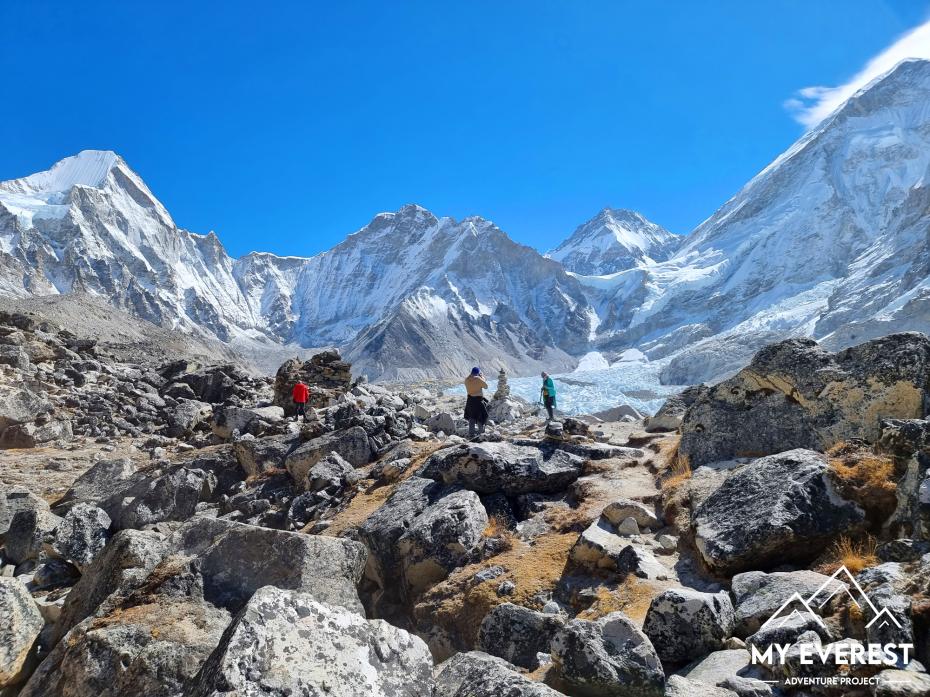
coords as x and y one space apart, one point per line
614 240
87 168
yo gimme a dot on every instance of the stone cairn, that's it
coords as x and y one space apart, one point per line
326 374
503 389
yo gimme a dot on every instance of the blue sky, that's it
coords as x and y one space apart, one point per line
285 126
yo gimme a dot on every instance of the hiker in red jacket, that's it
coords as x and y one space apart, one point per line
300 395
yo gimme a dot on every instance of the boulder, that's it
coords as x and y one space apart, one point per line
776 510
82 534
901 683
393 552
258 455
505 410
502 467
286 642
670 414
32 434
332 472
187 416
98 483
326 374
29 530
156 498
152 643
350 444
476 674
20 405
643 514
732 669
16 499
609 656
517 634
678 686
599 547
758 595
123 565
794 394
442 537
443 422
236 559
22 623
228 420
684 624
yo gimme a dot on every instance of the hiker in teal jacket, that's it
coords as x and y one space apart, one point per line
548 394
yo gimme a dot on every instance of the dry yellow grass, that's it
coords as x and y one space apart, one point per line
678 472
563 519
632 597
855 555
365 503
865 477
534 569
498 528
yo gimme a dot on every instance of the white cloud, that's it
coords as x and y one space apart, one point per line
812 105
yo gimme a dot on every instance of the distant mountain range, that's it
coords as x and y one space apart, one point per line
832 240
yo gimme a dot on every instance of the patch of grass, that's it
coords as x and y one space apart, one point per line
855 555
678 472
863 476
632 597
497 527
564 520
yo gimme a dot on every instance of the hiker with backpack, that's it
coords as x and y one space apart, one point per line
547 394
476 406
300 395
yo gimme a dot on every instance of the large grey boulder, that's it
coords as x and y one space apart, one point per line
228 420
441 538
421 532
598 547
778 509
32 433
187 416
794 394
19 630
758 595
123 566
609 656
20 405
258 455
684 624
476 674
621 509
502 467
671 413
98 483
732 669
350 444
288 643
82 534
330 473
236 559
901 683
16 499
517 634
171 496
29 530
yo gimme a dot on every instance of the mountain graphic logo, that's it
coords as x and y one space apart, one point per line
841 582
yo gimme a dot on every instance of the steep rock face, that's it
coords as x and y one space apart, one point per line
794 394
614 240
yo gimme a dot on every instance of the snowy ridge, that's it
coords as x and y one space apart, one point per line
828 241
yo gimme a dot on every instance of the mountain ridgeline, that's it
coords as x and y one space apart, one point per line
829 241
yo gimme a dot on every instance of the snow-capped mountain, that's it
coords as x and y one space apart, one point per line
829 241
832 240
410 295
614 240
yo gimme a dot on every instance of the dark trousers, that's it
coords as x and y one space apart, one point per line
301 409
550 405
